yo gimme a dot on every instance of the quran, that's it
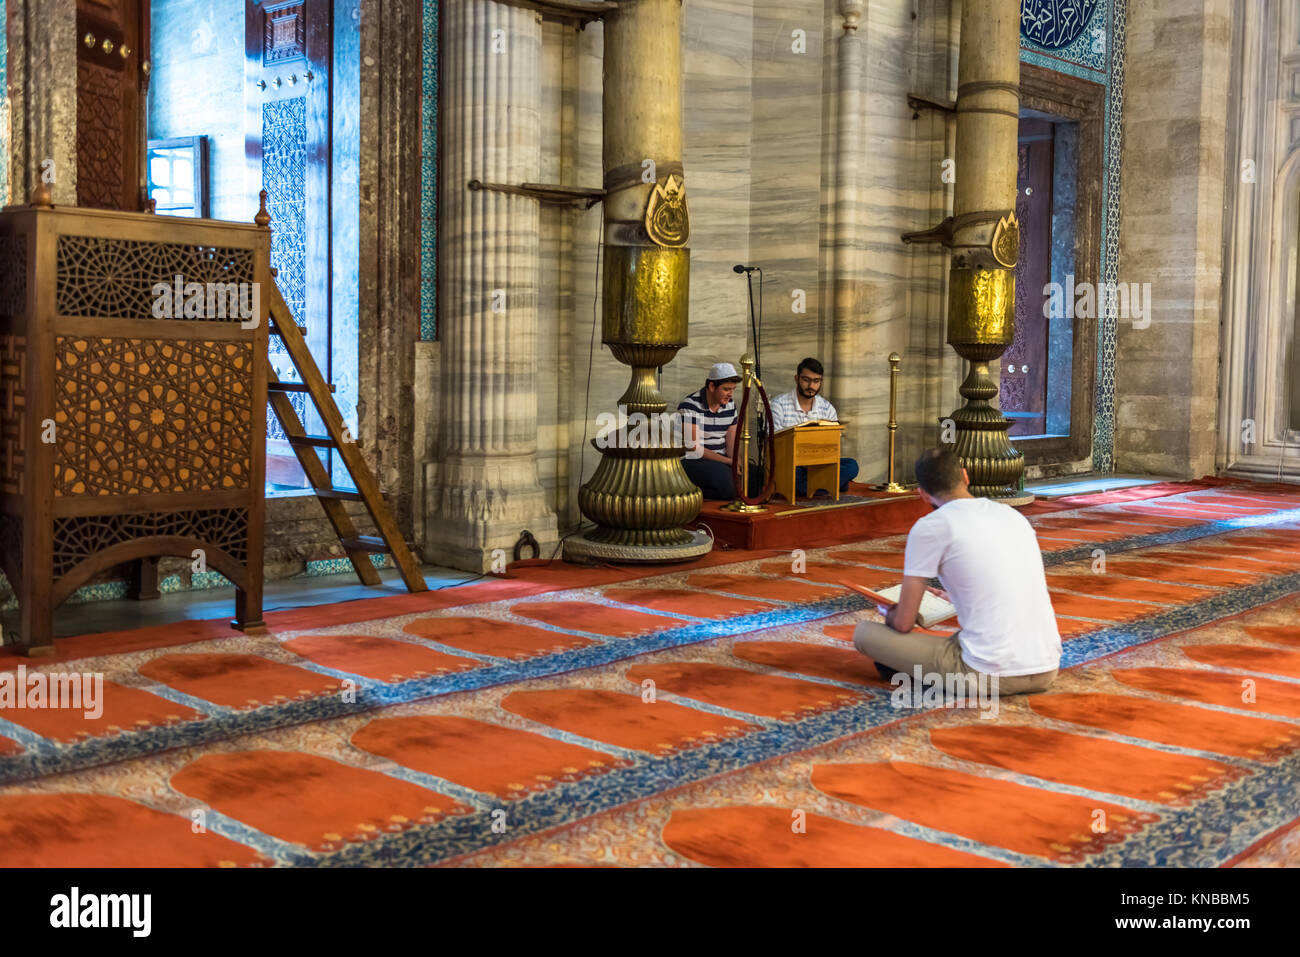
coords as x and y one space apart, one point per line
932 611
804 425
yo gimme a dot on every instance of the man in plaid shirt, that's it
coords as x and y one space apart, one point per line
805 404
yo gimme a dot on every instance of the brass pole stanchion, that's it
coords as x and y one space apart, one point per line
749 380
894 360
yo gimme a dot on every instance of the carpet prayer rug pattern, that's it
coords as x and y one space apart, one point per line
706 715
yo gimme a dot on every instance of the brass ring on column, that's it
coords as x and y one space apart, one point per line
526 540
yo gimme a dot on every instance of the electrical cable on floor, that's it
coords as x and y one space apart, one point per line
1281 462
591 352
586 408
467 581
591 356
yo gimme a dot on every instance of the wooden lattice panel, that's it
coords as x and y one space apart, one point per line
13 408
76 538
158 426
114 278
13 276
140 416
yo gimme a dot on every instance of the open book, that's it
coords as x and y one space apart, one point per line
809 422
932 611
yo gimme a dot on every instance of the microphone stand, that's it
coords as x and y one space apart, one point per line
754 325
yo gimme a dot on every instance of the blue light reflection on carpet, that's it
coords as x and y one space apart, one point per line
1163 843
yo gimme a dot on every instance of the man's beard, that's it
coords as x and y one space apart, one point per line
809 393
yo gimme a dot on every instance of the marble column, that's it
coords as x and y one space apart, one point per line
846 362
1175 167
482 487
41 76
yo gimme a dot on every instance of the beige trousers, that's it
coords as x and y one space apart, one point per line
935 654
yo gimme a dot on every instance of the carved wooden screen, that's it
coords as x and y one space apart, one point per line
131 425
112 79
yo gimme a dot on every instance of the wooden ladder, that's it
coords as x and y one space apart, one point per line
357 547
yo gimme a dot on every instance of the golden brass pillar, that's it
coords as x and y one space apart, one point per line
986 238
640 496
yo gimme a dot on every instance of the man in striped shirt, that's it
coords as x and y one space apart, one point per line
805 404
709 419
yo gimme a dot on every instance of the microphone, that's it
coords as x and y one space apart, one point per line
739 268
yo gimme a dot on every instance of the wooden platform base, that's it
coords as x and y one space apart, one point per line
825 522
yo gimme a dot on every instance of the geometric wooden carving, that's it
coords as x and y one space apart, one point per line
284 35
13 406
114 278
99 136
13 276
13 363
139 416
77 538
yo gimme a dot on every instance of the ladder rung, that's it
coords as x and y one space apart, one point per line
365 543
405 557
319 441
339 493
293 387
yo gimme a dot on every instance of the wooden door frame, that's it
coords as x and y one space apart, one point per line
1084 103
1039 135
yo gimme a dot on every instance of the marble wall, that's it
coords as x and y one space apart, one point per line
1167 374
203 38
1259 411
760 114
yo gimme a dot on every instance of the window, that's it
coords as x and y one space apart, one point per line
178 176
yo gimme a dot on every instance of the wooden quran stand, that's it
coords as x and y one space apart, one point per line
811 446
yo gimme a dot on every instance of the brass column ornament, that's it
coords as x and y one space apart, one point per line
894 360
640 496
748 381
986 239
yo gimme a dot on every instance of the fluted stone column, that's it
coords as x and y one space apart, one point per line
482 488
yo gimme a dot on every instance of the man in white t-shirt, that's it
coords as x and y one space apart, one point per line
986 555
